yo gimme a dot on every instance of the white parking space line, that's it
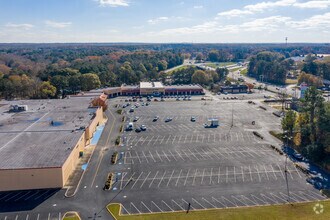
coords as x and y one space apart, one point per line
206 154
32 195
135 181
125 209
48 216
211 176
219 175
150 140
135 207
166 157
226 174
144 141
152 156
22 196
186 155
298 172
161 179
193 183
281 171
263 195
145 179
239 200
259 199
162 140
250 174
203 176
167 206
273 172
256 167
172 155
192 136
128 180
122 179
138 157
156 140
13 196
157 206
173 139
225 199
178 204
168 182
193 154
153 179
198 203
186 177
178 178
185 139
179 154
266 172
159 156
246 198
187 203
168 139
209 202
179 138
242 172
41 195
196 138
215 154
277 197
146 207
219 202
145 157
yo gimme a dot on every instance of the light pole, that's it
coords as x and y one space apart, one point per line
286 162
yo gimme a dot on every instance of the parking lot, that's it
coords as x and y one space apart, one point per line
180 163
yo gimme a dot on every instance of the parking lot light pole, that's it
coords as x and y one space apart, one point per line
285 167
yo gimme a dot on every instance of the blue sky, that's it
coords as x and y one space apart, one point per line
164 21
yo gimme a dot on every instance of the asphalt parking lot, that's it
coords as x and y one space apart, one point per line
176 164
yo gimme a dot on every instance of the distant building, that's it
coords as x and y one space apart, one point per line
151 88
234 89
303 88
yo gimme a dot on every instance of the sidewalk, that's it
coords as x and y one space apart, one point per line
73 182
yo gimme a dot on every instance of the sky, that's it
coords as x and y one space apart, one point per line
164 21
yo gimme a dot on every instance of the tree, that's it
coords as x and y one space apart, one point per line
222 73
47 90
213 56
89 81
162 65
74 84
200 77
60 82
289 121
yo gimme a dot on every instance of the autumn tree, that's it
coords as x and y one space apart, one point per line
89 81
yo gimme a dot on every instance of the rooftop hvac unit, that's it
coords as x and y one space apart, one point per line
18 108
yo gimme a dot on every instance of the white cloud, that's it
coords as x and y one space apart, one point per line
198 6
19 26
157 20
114 3
314 22
259 7
55 24
267 24
235 13
319 4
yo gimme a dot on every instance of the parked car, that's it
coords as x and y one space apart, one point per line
143 128
193 119
138 130
136 118
168 119
297 156
131 110
147 103
156 118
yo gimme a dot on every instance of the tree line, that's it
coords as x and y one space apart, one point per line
310 127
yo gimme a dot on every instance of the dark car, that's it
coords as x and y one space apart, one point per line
143 128
155 118
193 119
168 119
138 130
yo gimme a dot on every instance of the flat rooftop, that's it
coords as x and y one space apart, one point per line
44 135
147 85
189 86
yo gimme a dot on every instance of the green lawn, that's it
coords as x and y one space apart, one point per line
244 72
297 211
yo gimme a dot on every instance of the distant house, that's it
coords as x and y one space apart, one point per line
234 89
